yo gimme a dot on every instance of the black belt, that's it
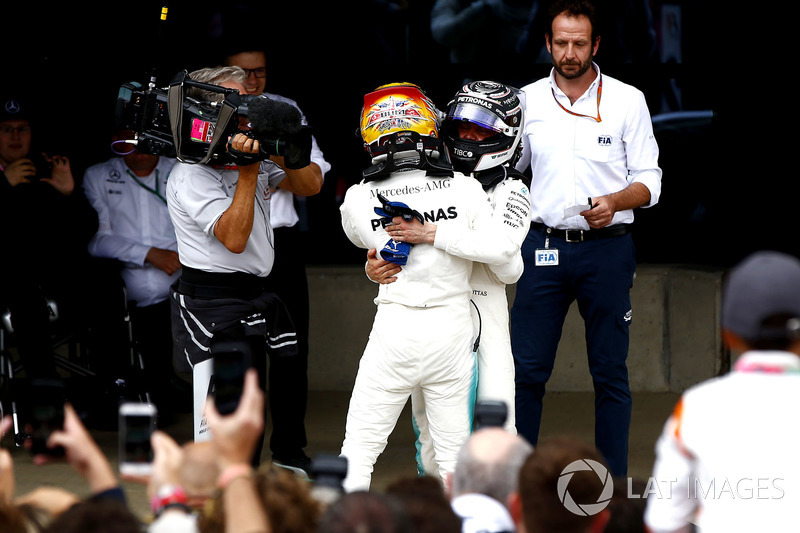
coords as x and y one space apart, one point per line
580 235
202 284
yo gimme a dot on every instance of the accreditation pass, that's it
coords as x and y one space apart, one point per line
546 257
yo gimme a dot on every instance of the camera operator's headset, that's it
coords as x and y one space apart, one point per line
175 99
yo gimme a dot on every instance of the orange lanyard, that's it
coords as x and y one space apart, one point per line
599 93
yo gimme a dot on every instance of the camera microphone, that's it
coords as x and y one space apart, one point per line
272 117
279 127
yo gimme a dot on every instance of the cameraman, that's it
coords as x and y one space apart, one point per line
47 223
288 384
221 215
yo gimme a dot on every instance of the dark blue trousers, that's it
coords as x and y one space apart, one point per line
598 274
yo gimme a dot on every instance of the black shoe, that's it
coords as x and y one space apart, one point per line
300 465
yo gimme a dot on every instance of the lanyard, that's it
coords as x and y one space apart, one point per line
145 187
599 93
754 364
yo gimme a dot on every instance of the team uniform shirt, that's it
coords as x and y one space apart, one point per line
511 201
727 457
497 246
445 201
197 195
133 217
574 158
283 212
430 299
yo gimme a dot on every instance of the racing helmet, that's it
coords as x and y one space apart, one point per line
494 106
399 117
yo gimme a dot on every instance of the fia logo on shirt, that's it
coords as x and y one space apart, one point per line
604 140
546 257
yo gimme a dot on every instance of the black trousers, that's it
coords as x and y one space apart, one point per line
152 332
288 376
211 308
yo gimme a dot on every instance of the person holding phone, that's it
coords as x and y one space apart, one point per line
235 437
80 451
137 422
45 219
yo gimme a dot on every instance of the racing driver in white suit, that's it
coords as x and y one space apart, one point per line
482 131
422 334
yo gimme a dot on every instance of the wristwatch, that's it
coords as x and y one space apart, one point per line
169 496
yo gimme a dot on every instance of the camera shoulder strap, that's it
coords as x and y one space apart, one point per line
225 114
175 107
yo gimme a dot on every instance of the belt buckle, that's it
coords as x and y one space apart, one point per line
569 232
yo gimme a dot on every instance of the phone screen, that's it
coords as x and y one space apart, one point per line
136 425
137 447
229 370
46 415
490 414
231 361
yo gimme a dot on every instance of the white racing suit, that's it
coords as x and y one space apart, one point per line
422 333
510 200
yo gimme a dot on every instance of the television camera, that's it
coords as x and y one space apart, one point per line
170 122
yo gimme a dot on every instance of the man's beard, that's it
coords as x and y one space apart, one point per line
573 74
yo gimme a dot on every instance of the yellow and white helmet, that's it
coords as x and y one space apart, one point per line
393 113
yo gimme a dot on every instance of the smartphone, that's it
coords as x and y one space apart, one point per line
328 472
490 413
137 421
46 414
231 361
44 168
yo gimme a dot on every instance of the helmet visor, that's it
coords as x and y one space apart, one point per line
478 115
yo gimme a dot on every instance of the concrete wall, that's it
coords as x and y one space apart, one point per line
674 334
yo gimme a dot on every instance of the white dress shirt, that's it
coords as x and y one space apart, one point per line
573 158
283 212
133 217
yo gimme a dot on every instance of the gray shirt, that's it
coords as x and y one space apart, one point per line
197 195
